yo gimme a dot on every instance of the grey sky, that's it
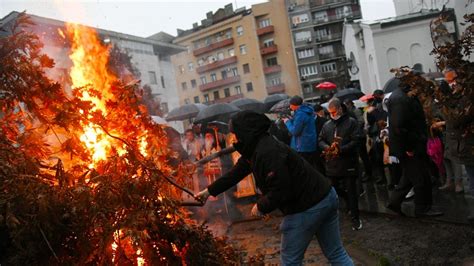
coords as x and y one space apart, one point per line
144 18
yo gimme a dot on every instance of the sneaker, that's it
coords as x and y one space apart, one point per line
428 213
356 224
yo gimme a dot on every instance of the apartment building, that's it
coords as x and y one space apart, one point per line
316 27
235 54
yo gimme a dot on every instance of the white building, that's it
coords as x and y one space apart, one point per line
375 47
150 56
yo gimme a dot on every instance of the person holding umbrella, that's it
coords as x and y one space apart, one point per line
288 183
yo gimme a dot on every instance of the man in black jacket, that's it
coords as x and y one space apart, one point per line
408 136
288 183
342 131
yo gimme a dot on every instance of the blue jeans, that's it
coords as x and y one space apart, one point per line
470 175
321 220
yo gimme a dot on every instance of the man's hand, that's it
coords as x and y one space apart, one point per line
285 119
202 196
255 212
410 154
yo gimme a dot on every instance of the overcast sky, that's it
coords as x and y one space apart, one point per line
144 18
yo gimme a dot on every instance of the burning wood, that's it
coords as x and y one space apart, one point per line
105 194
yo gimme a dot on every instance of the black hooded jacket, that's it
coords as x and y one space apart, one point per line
286 180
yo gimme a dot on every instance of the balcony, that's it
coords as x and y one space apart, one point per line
213 46
334 54
265 30
335 18
272 69
276 88
219 83
269 50
322 4
228 99
331 37
217 64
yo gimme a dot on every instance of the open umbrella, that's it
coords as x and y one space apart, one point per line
350 94
366 98
158 120
326 85
282 107
391 85
249 104
184 112
271 100
216 112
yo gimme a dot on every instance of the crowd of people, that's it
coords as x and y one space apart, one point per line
302 161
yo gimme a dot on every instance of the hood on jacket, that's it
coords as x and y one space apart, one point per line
248 126
305 108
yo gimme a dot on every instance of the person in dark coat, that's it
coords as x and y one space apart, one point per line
408 136
342 169
320 115
302 129
288 183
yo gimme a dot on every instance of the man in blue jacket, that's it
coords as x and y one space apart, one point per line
303 130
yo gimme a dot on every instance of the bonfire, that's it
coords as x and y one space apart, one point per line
84 172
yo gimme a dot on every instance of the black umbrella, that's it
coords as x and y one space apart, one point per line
185 112
350 93
282 107
391 85
249 104
271 100
216 112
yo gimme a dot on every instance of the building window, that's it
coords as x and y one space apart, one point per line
321 33
201 62
238 91
220 56
343 12
321 16
152 75
164 107
240 31
186 101
328 49
249 86
272 61
213 77
264 23
299 19
162 82
203 80
211 59
302 36
329 67
206 98
235 72
196 99
246 68
307 89
231 52
190 66
216 95
184 85
224 74
181 69
308 70
305 53
226 92
193 83
268 43
243 49
275 81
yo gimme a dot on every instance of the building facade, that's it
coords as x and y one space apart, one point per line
316 27
235 54
375 47
150 56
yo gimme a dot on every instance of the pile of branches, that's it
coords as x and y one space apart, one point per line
457 100
55 209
